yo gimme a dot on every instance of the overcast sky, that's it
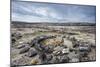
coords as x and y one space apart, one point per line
46 12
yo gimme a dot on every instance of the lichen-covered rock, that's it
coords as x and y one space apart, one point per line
34 61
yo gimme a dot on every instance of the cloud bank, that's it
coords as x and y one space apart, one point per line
45 12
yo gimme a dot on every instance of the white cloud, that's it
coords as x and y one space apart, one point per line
28 18
48 12
44 14
42 11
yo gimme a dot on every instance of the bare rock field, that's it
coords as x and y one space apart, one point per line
35 44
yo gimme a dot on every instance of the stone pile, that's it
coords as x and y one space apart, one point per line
54 54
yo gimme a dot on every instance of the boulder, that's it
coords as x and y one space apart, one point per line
31 53
16 35
65 51
48 49
56 53
33 42
84 59
84 48
20 60
74 60
64 59
42 56
76 44
49 57
25 49
39 47
34 61
13 40
55 59
83 54
93 45
58 48
73 39
73 55
20 46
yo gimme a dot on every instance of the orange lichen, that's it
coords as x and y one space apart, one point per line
54 41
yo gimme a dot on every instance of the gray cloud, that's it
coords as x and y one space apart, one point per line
40 12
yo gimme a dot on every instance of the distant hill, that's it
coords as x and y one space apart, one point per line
26 24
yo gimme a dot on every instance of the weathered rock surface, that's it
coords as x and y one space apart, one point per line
32 53
49 57
34 61
64 59
16 35
21 60
65 51
38 53
25 49
84 48
74 60
20 46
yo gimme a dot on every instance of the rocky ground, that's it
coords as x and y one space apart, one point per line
56 44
